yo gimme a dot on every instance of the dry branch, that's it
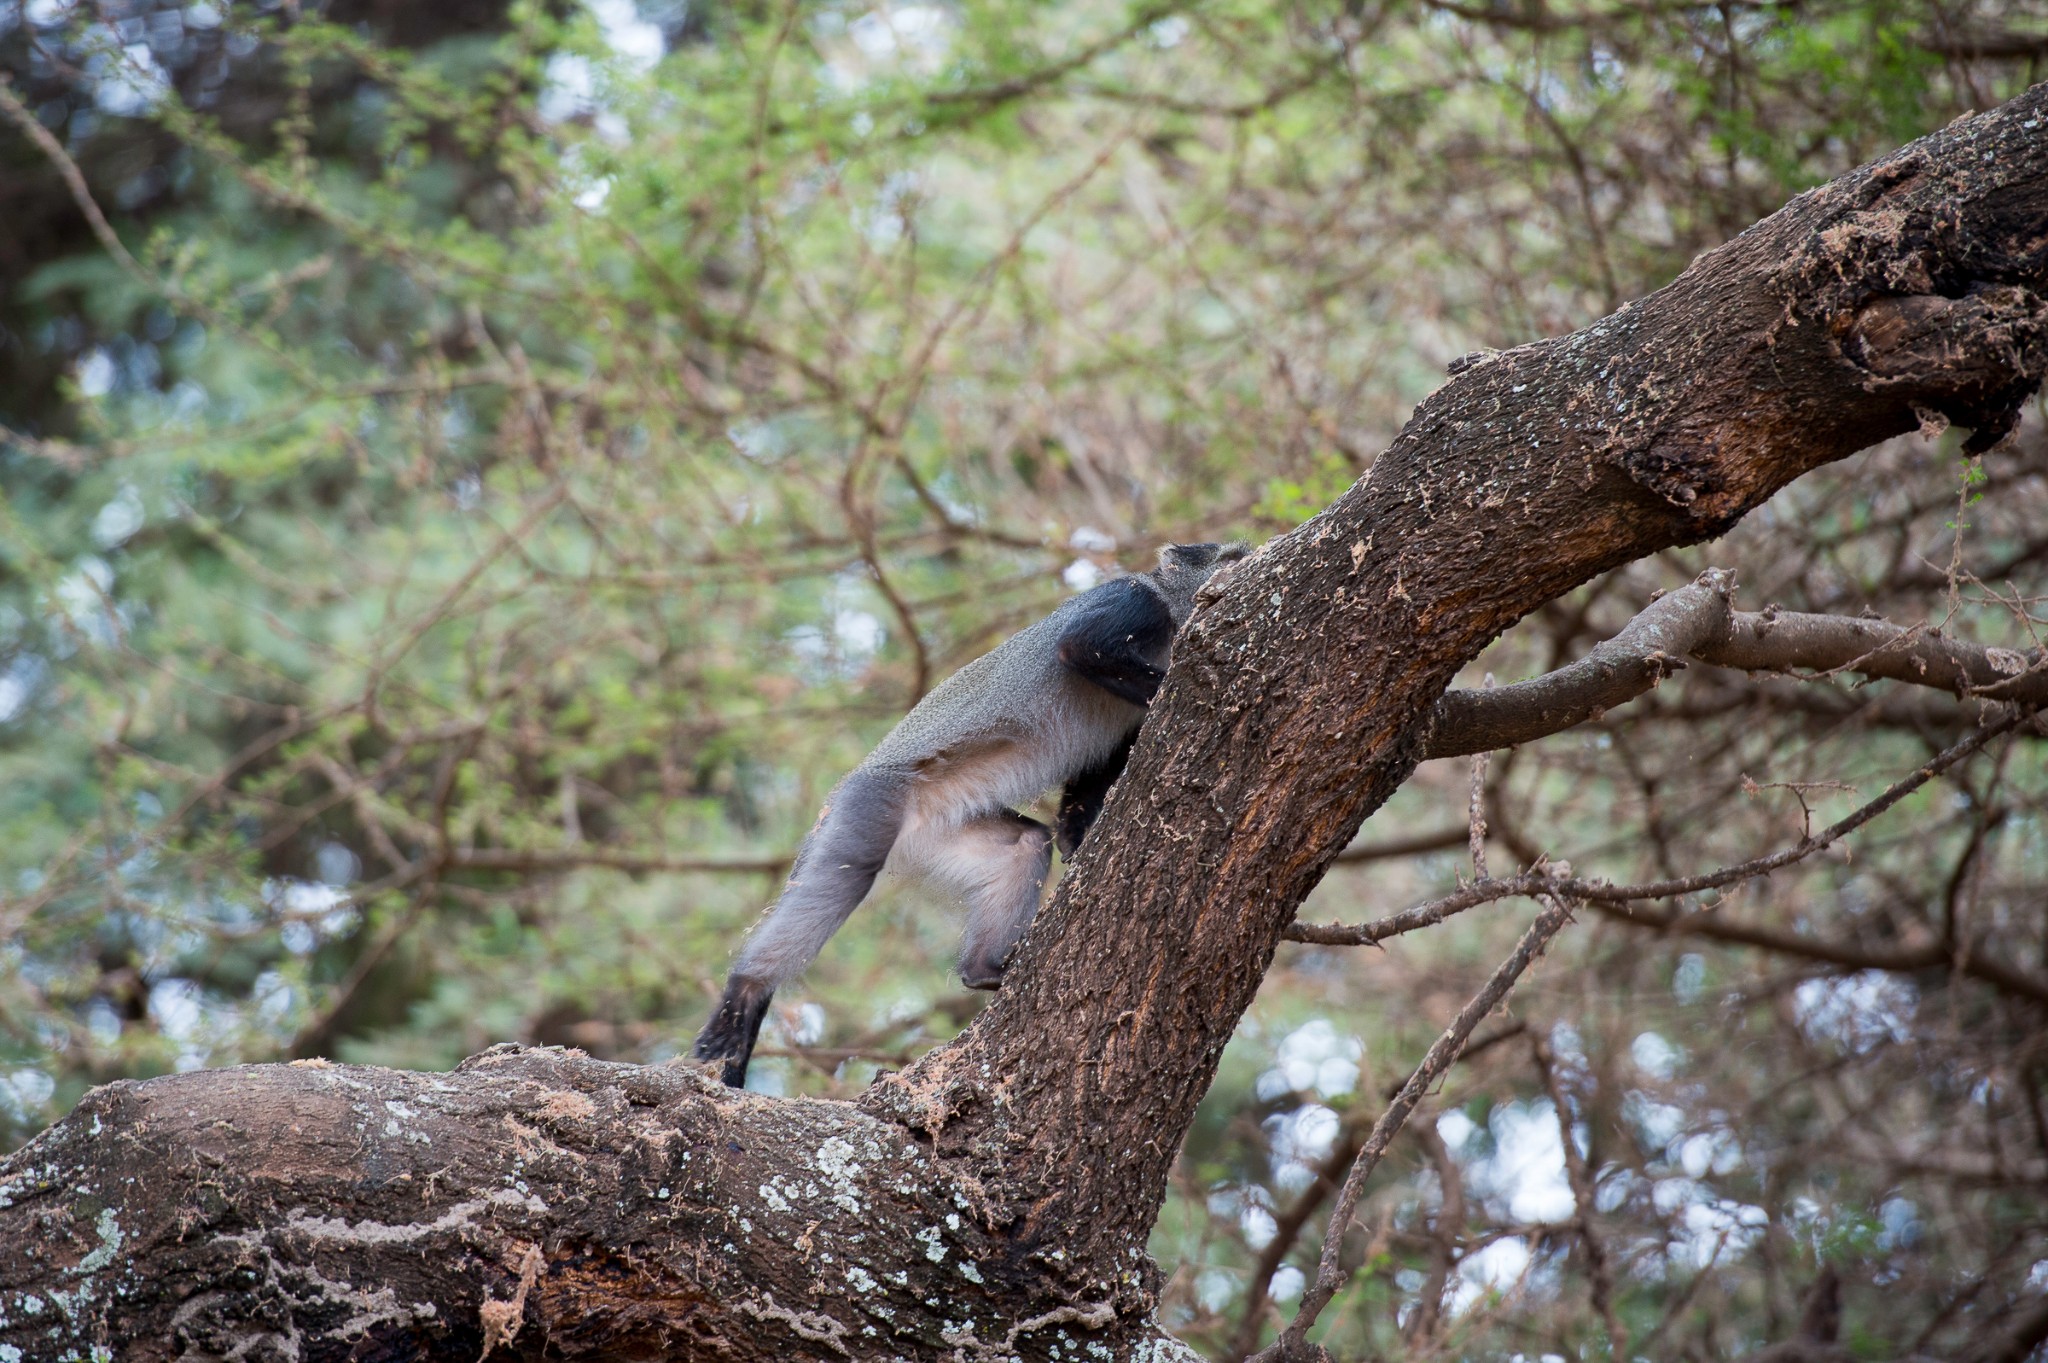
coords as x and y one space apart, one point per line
1541 881
1696 622
1330 1272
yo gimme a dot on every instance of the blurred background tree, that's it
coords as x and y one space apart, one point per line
474 475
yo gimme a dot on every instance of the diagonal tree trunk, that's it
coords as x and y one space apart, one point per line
994 1199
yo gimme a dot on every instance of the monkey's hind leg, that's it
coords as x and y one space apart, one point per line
998 863
834 870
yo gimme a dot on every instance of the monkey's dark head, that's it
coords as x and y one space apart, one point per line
1183 568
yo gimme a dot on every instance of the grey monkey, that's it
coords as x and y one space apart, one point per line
1058 704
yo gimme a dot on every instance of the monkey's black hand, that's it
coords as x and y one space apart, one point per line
1082 800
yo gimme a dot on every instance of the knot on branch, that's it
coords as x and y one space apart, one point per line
1974 359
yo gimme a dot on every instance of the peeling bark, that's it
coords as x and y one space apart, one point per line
994 1199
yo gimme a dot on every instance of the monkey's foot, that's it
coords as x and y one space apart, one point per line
982 975
729 1036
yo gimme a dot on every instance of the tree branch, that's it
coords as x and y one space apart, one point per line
1330 1272
1615 901
1544 882
1696 622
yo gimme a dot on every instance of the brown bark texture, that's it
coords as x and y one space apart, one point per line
993 1200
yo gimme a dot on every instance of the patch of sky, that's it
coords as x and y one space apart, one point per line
847 639
1491 1271
1710 1228
1258 1226
1613 1189
769 1076
1080 575
19 681
1214 1288
1709 1152
1521 1167
175 1008
909 38
895 202
1087 539
24 1091
313 912
571 85
1689 981
905 1006
1569 1048
1901 1222
761 441
119 519
1859 1012
1298 1141
102 1023
1169 32
1656 1124
95 373
1655 1056
48 13
125 78
917 35
274 998
336 864
1314 1057
636 41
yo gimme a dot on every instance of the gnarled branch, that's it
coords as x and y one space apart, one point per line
1696 622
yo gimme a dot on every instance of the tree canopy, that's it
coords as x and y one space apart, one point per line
471 481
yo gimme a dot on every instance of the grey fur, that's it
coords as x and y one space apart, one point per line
936 798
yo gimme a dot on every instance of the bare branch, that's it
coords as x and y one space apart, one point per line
1650 648
1581 1178
1695 621
1330 1273
1545 882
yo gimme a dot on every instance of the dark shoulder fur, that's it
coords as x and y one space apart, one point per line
1116 636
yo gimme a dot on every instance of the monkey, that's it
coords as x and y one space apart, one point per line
1057 704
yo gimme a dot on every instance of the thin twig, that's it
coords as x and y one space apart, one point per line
1330 1272
1542 881
1581 1179
1475 807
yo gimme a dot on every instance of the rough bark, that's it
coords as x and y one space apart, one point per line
994 1199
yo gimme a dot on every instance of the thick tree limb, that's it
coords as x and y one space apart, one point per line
288 1212
532 1201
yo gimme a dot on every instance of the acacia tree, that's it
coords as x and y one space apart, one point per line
994 1199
